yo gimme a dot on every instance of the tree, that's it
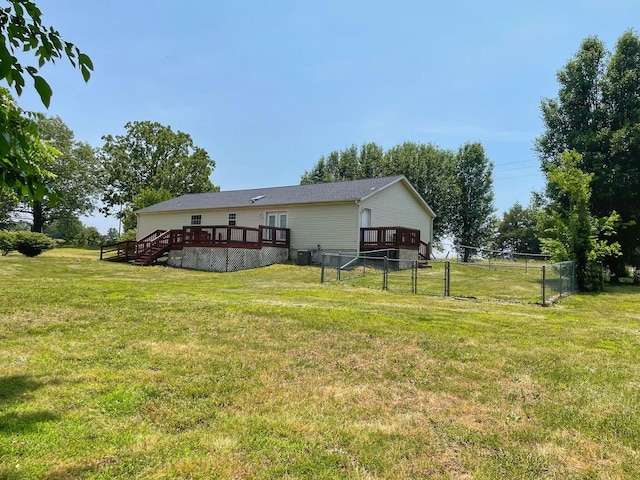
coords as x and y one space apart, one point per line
472 220
597 114
23 160
430 171
75 183
145 198
8 203
152 156
517 230
347 164
568 230
68 229
89 236
427 167
111 236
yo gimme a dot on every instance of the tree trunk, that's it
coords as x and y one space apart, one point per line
616 269
38 217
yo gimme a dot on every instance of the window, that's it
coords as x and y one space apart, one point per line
232 219
196 219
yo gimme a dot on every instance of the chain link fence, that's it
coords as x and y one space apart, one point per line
527 281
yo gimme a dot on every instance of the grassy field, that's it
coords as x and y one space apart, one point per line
114 371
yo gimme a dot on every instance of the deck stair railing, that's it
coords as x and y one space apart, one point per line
424 251
151 249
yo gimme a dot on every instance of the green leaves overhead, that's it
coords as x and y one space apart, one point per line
24 158
21 29
43 89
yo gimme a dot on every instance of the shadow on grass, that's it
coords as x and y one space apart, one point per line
13 423
15 390
16 386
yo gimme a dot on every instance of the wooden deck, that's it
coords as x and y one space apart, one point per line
379 238
149 249
382 238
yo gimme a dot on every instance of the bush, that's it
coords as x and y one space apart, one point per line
128 236
32 244
7 241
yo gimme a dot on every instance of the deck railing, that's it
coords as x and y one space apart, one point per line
234 236
375 238
122 251
275 236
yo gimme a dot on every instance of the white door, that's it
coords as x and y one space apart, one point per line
277 219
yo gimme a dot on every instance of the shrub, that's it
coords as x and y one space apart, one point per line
7 241
128 235
32 244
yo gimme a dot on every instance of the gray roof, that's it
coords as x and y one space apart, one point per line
295 194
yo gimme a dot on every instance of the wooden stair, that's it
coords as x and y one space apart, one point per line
149 257
152 247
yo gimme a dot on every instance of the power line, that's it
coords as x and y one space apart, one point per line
516 168
530 175
515 162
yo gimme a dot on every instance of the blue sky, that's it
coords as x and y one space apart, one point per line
267 87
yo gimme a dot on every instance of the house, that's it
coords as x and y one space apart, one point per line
211 231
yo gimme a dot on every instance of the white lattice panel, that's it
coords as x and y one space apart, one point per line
271 255
227 259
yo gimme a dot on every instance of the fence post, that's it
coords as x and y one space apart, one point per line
561 281
447 279
544 282
322 269
414 277
385 273
339 266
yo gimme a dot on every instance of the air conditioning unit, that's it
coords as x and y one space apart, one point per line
304 257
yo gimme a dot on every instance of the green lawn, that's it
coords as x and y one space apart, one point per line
114 371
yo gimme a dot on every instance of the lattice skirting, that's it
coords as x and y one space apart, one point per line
226 259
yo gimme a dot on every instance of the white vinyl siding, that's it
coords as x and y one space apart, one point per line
333 226
150 222
395 206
